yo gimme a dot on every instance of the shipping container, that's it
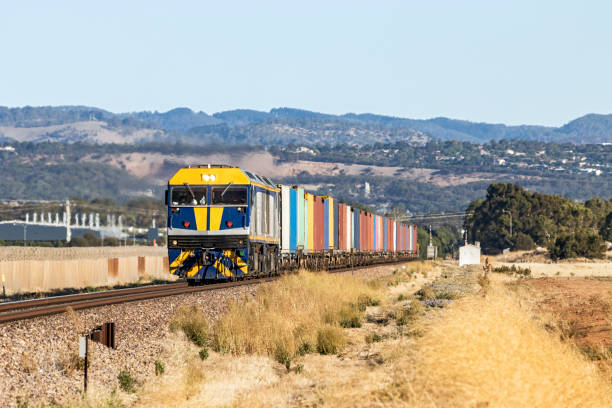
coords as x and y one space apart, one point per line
356 215
410 243
370 241
349 228
381 233
327 226
363 231
342 230
336 226
299 223
385 237
330 221
398 236
318 223
285 219
374 234
309 202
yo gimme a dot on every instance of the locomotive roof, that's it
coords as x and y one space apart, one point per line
223 175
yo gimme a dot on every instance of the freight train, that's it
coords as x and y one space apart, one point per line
225 223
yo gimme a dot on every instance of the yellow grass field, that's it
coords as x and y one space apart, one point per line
481 350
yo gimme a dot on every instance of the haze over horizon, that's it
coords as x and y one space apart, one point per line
510 62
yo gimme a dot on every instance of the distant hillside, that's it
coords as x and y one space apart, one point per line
280 126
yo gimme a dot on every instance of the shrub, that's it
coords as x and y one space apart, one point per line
306 348
580 244
126 382
408 314
425 293
373 338
192 322
203 353
330 340
523 242
363 301
160 367
349 317
513 270
283 356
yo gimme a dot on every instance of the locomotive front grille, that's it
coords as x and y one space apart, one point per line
218 241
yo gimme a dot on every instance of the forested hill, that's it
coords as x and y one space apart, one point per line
279 126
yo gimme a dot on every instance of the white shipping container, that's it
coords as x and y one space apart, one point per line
285 219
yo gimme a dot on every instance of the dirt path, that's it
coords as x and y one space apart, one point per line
584 306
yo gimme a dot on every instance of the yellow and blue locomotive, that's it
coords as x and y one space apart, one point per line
223 224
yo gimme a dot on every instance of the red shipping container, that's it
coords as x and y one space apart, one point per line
371 236
341 226
398 236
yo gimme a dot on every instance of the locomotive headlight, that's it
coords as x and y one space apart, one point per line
205 177
212 177
174 242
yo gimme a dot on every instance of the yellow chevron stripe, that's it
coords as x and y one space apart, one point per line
221 268
200 217
193 271
216 213
181 258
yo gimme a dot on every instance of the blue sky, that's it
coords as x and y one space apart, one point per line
514 62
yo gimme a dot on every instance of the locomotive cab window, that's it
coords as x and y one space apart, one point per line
188 195
228 195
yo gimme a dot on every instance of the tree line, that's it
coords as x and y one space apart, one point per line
511 217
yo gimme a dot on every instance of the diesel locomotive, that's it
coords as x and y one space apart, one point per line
225 223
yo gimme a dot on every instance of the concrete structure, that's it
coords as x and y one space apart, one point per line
34 276
469 255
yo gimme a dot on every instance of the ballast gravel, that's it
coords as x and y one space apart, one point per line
33 353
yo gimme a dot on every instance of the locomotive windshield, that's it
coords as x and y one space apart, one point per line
189 195
228 195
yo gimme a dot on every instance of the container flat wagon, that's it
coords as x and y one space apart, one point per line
226 223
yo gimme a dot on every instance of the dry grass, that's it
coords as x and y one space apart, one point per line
192 322
479 351
28 363
489 352
292 314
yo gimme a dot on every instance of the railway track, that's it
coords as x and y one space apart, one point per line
27 309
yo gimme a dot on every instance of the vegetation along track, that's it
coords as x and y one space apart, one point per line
26 309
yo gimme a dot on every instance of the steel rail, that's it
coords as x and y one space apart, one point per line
55 300
115 299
